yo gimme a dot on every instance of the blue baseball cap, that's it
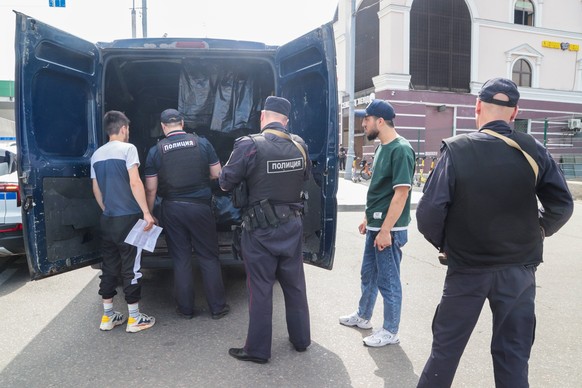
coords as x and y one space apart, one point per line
378 108
499 85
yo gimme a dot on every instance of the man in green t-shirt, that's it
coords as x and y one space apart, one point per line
385 224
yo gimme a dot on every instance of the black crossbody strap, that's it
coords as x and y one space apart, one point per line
285 136
513 143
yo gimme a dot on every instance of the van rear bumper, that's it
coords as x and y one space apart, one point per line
11 243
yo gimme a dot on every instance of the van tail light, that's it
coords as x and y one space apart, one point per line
11 188
11 228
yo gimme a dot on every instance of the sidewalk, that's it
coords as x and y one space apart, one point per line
351 196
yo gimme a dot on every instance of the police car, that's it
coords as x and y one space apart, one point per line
65 84
11 240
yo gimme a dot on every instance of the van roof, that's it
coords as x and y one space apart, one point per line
185 43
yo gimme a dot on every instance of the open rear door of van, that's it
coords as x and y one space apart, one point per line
307 78
57 113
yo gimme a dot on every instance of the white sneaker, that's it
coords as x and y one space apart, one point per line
380 338
355 320
109 322
141 323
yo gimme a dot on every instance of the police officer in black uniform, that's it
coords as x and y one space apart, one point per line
179 169
480 207
274 165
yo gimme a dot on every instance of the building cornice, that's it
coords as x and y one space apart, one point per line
528 29
393 8
391 81
537 94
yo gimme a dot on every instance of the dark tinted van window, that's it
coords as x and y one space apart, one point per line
61 116
311 104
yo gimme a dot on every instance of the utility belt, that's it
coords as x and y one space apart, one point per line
264 215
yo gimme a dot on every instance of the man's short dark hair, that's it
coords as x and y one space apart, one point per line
113 121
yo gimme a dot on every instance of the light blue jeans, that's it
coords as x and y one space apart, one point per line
381 271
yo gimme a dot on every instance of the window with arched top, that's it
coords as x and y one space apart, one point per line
521 73
440 45
367 44
523 13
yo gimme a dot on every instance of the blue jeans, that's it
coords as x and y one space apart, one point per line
381 271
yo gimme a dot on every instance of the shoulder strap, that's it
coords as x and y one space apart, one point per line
285 136
513 143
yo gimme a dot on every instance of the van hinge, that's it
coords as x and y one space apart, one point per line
24 176
27 204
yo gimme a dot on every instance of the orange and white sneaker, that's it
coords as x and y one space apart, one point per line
140 323
109 322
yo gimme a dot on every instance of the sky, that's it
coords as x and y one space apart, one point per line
268 21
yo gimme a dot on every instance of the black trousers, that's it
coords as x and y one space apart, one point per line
511 295
191 226
119 258
272 254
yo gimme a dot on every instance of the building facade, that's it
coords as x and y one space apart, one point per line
7 128
429 58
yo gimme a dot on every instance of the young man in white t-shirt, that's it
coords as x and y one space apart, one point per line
120 193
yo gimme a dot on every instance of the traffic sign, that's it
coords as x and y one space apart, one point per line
57 3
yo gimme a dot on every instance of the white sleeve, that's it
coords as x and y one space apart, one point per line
132 158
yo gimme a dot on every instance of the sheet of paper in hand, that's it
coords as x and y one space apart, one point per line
145 240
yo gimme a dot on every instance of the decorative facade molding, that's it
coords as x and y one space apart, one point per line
531 55
391 82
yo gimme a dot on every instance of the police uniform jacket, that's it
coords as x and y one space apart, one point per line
480 202
181 161
273 167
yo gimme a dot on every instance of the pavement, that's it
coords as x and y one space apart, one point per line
576 189
351 196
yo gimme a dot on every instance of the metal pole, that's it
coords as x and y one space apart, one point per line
133 20
418 144
144 17
545 132
351 75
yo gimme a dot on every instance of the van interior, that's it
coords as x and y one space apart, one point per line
221 99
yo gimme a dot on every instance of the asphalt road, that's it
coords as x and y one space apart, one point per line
49 332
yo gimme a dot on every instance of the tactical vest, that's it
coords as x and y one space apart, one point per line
493 220
183 168
278 175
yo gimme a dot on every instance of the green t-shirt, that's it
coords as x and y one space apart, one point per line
393 166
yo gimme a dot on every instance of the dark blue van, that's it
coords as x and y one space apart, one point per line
65 84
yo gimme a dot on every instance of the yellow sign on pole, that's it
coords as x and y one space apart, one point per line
561 45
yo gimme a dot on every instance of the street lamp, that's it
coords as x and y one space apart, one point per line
351 74
144 19
133 20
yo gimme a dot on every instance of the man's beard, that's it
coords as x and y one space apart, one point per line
372 135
